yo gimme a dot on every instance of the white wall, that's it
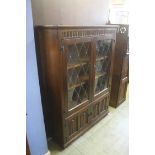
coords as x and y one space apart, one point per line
70 12
119 14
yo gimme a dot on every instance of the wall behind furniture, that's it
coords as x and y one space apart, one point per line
35 128
70 12
119 12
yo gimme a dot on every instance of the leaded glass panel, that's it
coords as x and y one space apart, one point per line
78 70
103 48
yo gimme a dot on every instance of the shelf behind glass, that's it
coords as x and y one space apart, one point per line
74 65
78 94
83 79
100 84
99 75
101 58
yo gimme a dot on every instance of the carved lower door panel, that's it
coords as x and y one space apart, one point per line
100 107
76 123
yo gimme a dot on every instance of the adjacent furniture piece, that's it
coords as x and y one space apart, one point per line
75 70
120 75
27 147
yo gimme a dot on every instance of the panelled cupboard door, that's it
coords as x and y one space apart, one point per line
77 72
122 90
102 64
81 120
125 66
76 123
100 106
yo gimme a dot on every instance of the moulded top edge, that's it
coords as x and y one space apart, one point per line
76 26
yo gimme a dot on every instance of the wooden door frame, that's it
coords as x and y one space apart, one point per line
69 41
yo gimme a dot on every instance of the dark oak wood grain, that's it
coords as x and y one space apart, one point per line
62 123
120 74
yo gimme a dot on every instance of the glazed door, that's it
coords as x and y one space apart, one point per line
102 65
78 64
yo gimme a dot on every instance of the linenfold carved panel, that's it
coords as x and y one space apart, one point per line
100 106
77 122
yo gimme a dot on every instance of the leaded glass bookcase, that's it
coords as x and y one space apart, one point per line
75 67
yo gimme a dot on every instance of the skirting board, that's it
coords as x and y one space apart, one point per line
48 153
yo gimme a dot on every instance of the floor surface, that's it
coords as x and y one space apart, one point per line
107 137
